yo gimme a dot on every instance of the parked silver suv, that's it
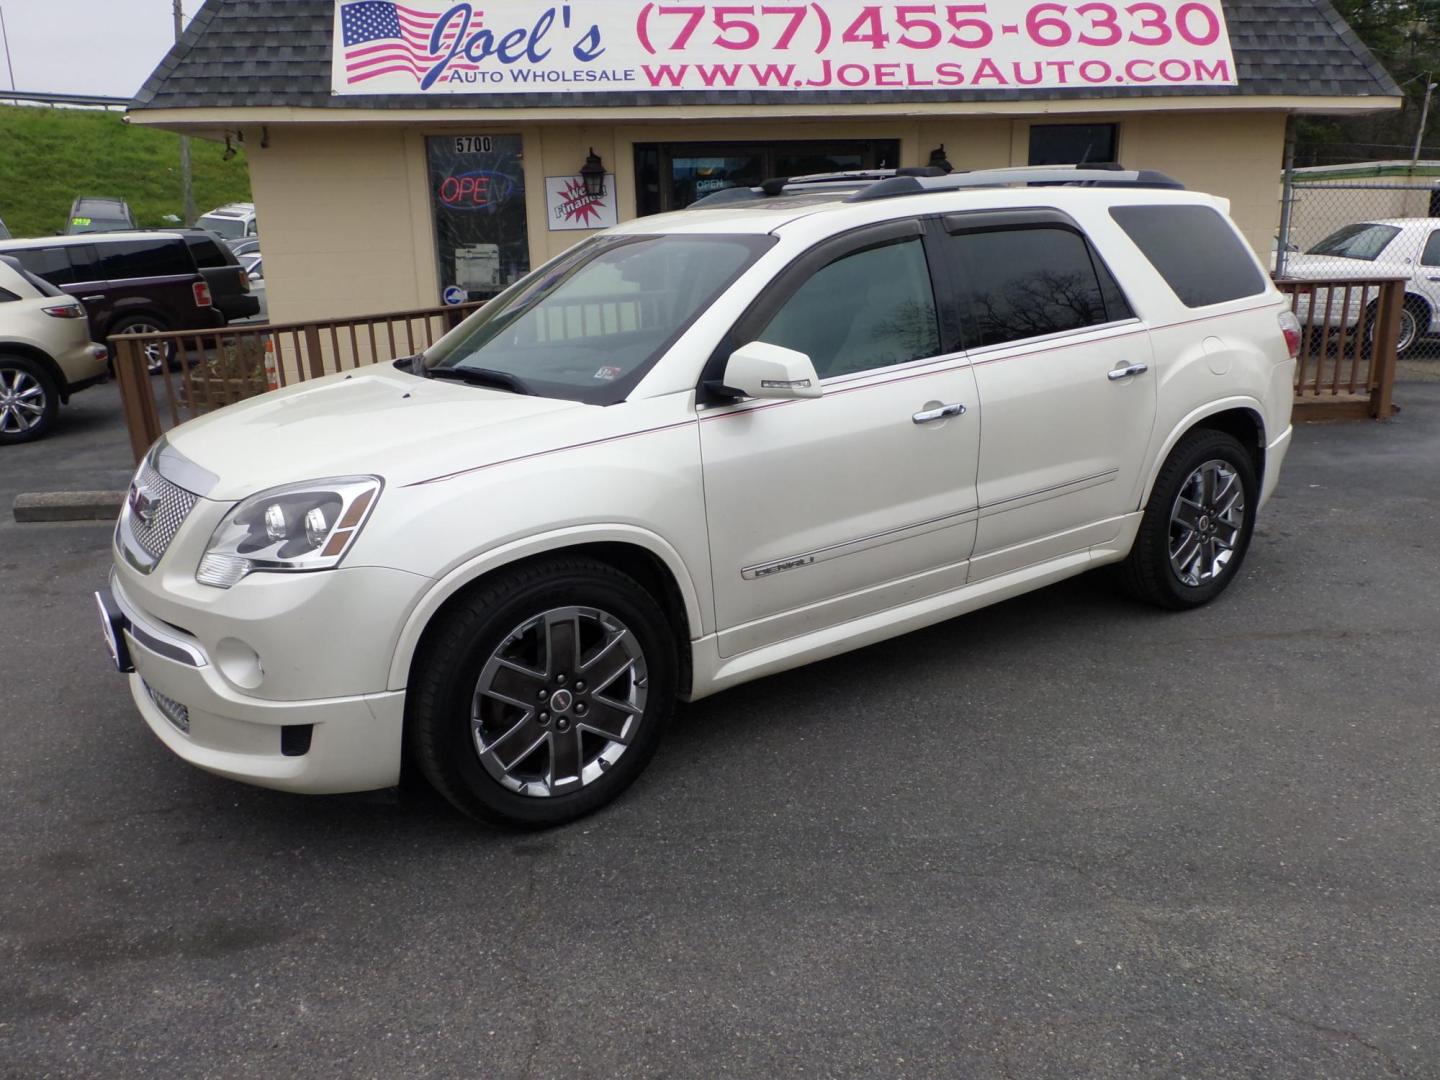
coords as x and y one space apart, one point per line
45 353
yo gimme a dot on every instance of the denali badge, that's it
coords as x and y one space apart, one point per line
778 568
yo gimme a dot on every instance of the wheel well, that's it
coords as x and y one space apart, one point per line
135 313
631 560
62 385
1246 426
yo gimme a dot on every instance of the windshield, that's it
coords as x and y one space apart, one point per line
228 228
1356 242
588 326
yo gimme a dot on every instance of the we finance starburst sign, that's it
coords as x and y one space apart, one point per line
571 206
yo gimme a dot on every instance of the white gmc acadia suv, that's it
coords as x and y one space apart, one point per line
694 451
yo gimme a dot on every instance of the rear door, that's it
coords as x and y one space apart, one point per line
829 509
154 276
91 286
1064 375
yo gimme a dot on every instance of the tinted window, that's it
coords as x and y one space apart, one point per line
146 258
1195 250
6 295
1432 250
1024 283
1356 242
868 310
1072 144
206 251
52 264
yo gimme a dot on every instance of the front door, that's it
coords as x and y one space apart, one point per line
1065 376
831 509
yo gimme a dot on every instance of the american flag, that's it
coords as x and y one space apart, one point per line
382 38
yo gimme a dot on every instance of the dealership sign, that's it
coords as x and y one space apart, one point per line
439 47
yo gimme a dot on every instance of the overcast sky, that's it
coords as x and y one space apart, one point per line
106 47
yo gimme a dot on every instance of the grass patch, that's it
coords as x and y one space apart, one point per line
49 156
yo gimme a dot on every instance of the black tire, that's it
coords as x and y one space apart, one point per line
29 400
1414 308
441 717
1150 573
146 324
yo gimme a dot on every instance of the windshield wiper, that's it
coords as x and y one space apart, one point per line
499 380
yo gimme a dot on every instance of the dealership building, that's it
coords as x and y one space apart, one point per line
402 155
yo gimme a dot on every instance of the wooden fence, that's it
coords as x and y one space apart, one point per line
1347 353
215 368
1349 333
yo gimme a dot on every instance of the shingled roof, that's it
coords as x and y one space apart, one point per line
259 53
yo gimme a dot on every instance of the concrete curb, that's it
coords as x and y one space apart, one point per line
68 506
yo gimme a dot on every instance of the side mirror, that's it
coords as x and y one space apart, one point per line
759 370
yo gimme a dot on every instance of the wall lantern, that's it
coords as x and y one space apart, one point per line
939 161
593 173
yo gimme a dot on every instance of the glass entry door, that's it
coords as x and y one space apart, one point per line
671 176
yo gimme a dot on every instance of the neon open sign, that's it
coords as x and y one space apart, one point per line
481 189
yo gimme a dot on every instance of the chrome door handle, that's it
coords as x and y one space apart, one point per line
92 299
945 412
1121 374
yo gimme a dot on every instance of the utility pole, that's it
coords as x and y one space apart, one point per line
187 180
1424 117
6 35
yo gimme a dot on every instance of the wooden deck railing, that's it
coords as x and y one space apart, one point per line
215 368
1347 353
1350 329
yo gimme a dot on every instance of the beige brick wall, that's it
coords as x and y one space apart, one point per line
346 217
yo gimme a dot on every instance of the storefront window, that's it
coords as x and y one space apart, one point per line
673 175
477 190
1072 144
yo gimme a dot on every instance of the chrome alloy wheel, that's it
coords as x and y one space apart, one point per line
1409 330
22 401
559 701
157 352
1206 523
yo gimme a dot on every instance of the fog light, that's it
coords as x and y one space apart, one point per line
239 663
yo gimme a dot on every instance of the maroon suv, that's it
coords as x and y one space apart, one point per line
142 282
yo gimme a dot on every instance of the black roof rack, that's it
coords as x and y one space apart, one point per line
867 184
1103 176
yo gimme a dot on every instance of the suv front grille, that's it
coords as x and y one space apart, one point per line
155 511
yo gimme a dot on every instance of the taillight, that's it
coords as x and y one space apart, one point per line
1290 327
68 311
244 281
202 294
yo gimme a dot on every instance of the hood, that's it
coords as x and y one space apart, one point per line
378 421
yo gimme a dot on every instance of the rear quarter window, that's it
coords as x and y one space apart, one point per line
207 252
1195 250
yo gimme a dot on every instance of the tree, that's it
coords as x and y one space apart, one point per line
1404 35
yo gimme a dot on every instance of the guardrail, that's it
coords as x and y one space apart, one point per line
1350 330
203 370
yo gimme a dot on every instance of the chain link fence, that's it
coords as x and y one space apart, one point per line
1369 228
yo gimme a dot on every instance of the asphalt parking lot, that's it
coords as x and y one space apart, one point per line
1066 837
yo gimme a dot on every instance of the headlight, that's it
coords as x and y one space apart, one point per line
292 529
